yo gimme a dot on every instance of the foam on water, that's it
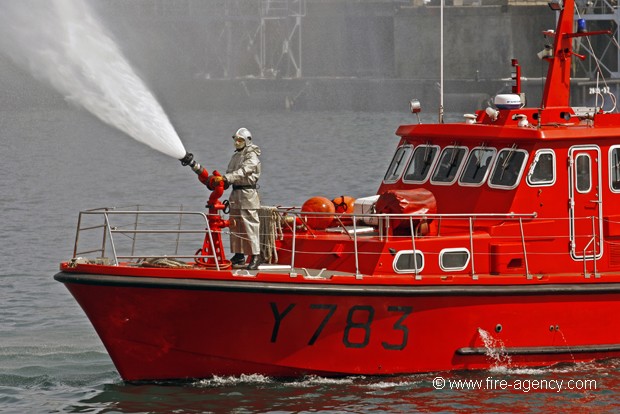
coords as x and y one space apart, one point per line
219 381
392 384
61 42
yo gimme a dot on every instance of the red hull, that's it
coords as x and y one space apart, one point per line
162 329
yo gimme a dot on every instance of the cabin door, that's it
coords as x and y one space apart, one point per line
585 204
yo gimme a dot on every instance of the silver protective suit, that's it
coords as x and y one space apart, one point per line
242 174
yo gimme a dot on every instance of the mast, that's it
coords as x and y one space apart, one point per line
441 63
557 85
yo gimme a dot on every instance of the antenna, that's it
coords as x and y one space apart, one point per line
441 64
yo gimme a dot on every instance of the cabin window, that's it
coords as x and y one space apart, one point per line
453 259
422 162
449 166
614 167
508 168
583 172
542 171
478 166
404 261
398 164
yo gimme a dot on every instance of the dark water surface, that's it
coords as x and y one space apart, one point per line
55 163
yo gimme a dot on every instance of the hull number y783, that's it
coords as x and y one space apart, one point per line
357 327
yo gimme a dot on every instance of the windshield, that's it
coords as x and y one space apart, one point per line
508 168
478 166
398 163
449 165
421 164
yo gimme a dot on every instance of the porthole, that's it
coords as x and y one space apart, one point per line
404 261
453 259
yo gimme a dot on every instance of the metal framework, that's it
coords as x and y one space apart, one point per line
256 38
604 15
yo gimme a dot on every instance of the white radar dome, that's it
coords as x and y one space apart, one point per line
508 101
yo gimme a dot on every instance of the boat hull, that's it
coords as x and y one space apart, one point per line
160 328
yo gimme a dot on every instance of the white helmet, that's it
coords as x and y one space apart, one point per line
243 133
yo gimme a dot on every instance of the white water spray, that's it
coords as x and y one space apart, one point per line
59 41
495 350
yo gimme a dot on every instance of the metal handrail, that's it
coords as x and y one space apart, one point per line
109 231
594 253
384 222
470 224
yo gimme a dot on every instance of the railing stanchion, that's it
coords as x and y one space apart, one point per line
471 246
217 263
358 275
415 259
293 273
596 275
135 235
527 269
77 235
179 227
109 232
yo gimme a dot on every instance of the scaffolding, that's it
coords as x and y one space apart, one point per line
260 39
602 54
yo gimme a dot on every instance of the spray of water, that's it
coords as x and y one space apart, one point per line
61 42
495 350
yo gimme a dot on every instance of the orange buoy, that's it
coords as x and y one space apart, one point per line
344 204
318 205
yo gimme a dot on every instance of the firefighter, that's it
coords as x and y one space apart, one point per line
242 174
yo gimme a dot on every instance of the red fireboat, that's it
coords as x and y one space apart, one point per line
495 241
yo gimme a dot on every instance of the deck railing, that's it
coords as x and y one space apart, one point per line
136 235
384 223
131 223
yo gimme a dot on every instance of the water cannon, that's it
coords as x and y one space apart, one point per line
203 174
188 159
215 182
212 249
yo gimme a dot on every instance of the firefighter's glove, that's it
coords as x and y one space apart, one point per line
214 181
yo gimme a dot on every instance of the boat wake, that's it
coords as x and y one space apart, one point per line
417 381
228 381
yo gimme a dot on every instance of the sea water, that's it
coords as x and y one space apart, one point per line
55 162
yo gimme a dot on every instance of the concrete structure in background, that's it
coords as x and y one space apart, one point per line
344 54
